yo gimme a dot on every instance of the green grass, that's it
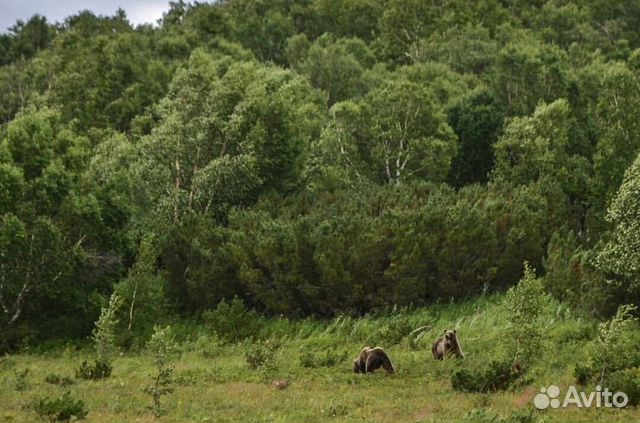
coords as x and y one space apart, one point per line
214 383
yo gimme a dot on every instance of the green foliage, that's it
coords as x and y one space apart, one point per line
232 321
142 293
572 276
620 256
328 358
523 304
583 374
104 342
562 279
477 121
261 355
528 72
224 136
61 409
96 371
197 249
56 379
334 66
498 376
161 346
616 346
627 381
27 38
619 141
104 334
536 149
314 158
395 133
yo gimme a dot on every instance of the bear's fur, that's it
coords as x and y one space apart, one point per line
449 343
371 359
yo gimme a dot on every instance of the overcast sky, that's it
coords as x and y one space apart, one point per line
138 11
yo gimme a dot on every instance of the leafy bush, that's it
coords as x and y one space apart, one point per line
55 379
97 370
263 357
259 354
627 381
60 409
497 377
233 322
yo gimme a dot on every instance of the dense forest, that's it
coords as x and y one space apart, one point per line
316 158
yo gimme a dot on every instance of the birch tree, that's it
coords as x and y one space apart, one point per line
394 134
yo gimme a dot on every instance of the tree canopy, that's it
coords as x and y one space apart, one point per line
316 157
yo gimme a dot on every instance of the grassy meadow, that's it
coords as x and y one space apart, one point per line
213 381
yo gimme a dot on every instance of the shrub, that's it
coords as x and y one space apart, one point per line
161 345
262 356
96 371
233 322
258 354
627 381
60 409
497 377
55 379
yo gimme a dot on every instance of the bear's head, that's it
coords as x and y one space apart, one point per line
451 336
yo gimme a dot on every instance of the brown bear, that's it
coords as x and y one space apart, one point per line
371 359
449 343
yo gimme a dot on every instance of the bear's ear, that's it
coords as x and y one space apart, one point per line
445 331
455 331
